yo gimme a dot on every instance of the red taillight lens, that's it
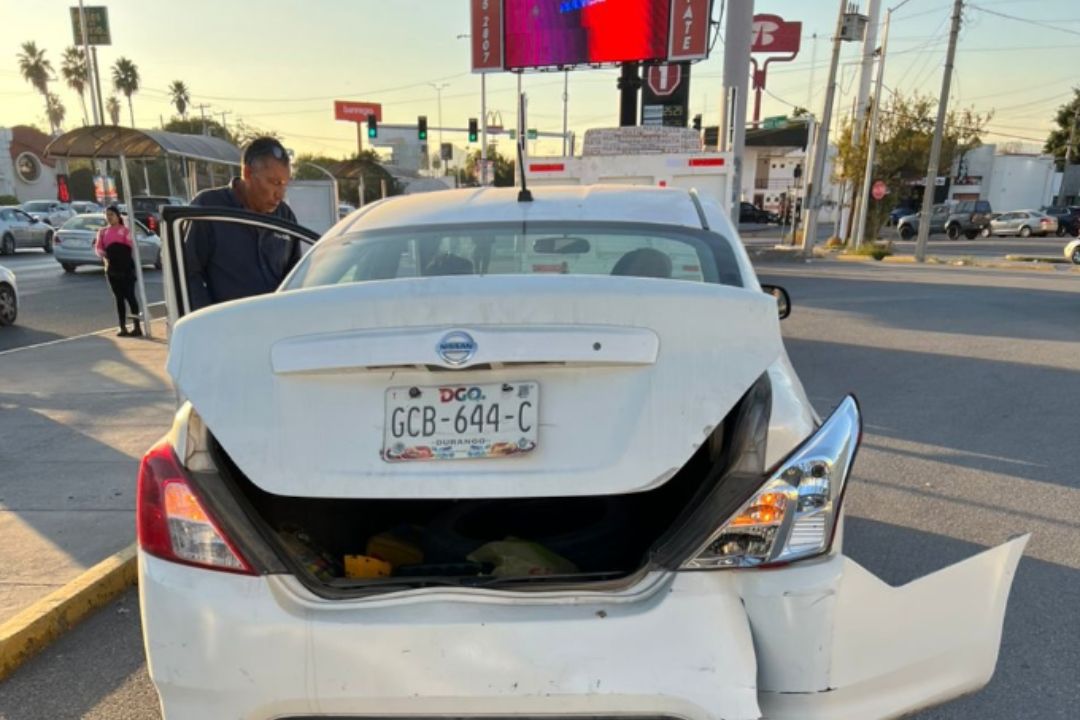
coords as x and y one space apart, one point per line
151 223
172 521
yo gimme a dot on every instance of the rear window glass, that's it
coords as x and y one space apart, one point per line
83 222
37 206
149 204
541 248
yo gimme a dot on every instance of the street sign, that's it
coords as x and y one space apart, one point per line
774 123
531 134
487 35
689 36
446 151
663 80
774 34
356 111
97 25
879 190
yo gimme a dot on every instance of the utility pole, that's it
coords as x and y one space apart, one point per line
565 108
438 91
97 82
223 114
939 128
821 143
871 140
202 112
737 39
865 76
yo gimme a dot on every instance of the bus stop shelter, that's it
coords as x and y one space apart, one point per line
112 142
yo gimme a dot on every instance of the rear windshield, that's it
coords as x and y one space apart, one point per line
37 206
82 222
627 249
149 204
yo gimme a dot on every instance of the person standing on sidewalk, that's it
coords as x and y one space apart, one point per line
226 261
114 244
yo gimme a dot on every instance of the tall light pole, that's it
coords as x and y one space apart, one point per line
737 41
439 87
871 140
939 129
866 73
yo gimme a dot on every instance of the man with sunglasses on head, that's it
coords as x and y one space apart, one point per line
226 261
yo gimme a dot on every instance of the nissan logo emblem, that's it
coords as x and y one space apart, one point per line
456 348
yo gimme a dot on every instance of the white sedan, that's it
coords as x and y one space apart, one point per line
1072 251
487 458
9 297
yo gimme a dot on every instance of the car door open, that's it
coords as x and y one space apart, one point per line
177 221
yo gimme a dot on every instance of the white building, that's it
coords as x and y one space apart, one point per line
25 172
772 159
1010 181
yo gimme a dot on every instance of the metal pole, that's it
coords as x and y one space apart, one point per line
168 175
97 82
146 177
871 144
865 76
382 186
359 138
821 143
144 311
565 108
629 83
737 37
939 128
86 59
483 130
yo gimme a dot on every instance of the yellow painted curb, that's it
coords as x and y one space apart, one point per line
899 259
49 618
855 258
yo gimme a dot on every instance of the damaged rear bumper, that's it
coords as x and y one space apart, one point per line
821 639
834 641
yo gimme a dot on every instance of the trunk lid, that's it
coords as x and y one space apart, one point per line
632 375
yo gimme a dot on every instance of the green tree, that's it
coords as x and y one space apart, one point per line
37 70
180 97
1057 144
244 133
348 172
195 126
112 106
125 77
55 110
905 133
504 166
73 68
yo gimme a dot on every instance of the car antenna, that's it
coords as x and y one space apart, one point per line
523 195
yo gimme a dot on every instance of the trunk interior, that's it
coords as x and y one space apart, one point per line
521 542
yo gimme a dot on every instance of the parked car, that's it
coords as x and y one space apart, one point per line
9 297
20 230
479 457
750 213
74 243
148 209
53 212
343 210
1024 223
907 227
1068 218
900 211
82 207
1072 251
968 218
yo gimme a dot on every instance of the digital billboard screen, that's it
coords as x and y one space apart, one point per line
545 33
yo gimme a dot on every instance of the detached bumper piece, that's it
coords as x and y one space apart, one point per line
833 641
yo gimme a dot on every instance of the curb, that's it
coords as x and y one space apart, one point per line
38 625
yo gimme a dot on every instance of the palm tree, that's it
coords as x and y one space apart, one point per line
73 69
181 97
125 77
36 70
55 110
112 106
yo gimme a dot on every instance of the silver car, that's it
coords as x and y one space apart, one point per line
9 297
20 230
1024 223
74 243
53 212
82 207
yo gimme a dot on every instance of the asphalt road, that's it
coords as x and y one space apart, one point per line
55 305
968 381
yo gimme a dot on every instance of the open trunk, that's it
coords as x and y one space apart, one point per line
632 385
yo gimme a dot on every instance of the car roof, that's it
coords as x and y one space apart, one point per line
594 203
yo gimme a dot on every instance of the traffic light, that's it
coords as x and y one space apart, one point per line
421 128
697 122
372 127
473 132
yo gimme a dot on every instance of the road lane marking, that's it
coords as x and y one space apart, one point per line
59 341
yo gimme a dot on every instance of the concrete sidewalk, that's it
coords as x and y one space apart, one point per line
75 417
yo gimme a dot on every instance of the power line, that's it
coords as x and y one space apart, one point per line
1036 23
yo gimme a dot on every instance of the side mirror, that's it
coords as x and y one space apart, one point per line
783 300
33 220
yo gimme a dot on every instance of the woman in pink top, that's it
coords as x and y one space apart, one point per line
113 243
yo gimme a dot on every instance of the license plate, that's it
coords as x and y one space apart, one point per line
461 422
77 242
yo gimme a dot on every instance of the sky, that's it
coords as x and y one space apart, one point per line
279 64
